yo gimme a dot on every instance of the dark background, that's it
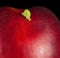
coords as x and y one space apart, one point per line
53 5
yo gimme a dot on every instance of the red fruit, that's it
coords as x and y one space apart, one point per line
20 38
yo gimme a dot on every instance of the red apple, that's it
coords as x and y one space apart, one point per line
20 38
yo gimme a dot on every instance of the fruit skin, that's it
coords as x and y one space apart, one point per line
38 38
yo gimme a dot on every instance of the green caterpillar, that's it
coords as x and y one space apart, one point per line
27 14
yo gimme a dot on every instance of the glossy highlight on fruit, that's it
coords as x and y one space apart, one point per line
20 38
